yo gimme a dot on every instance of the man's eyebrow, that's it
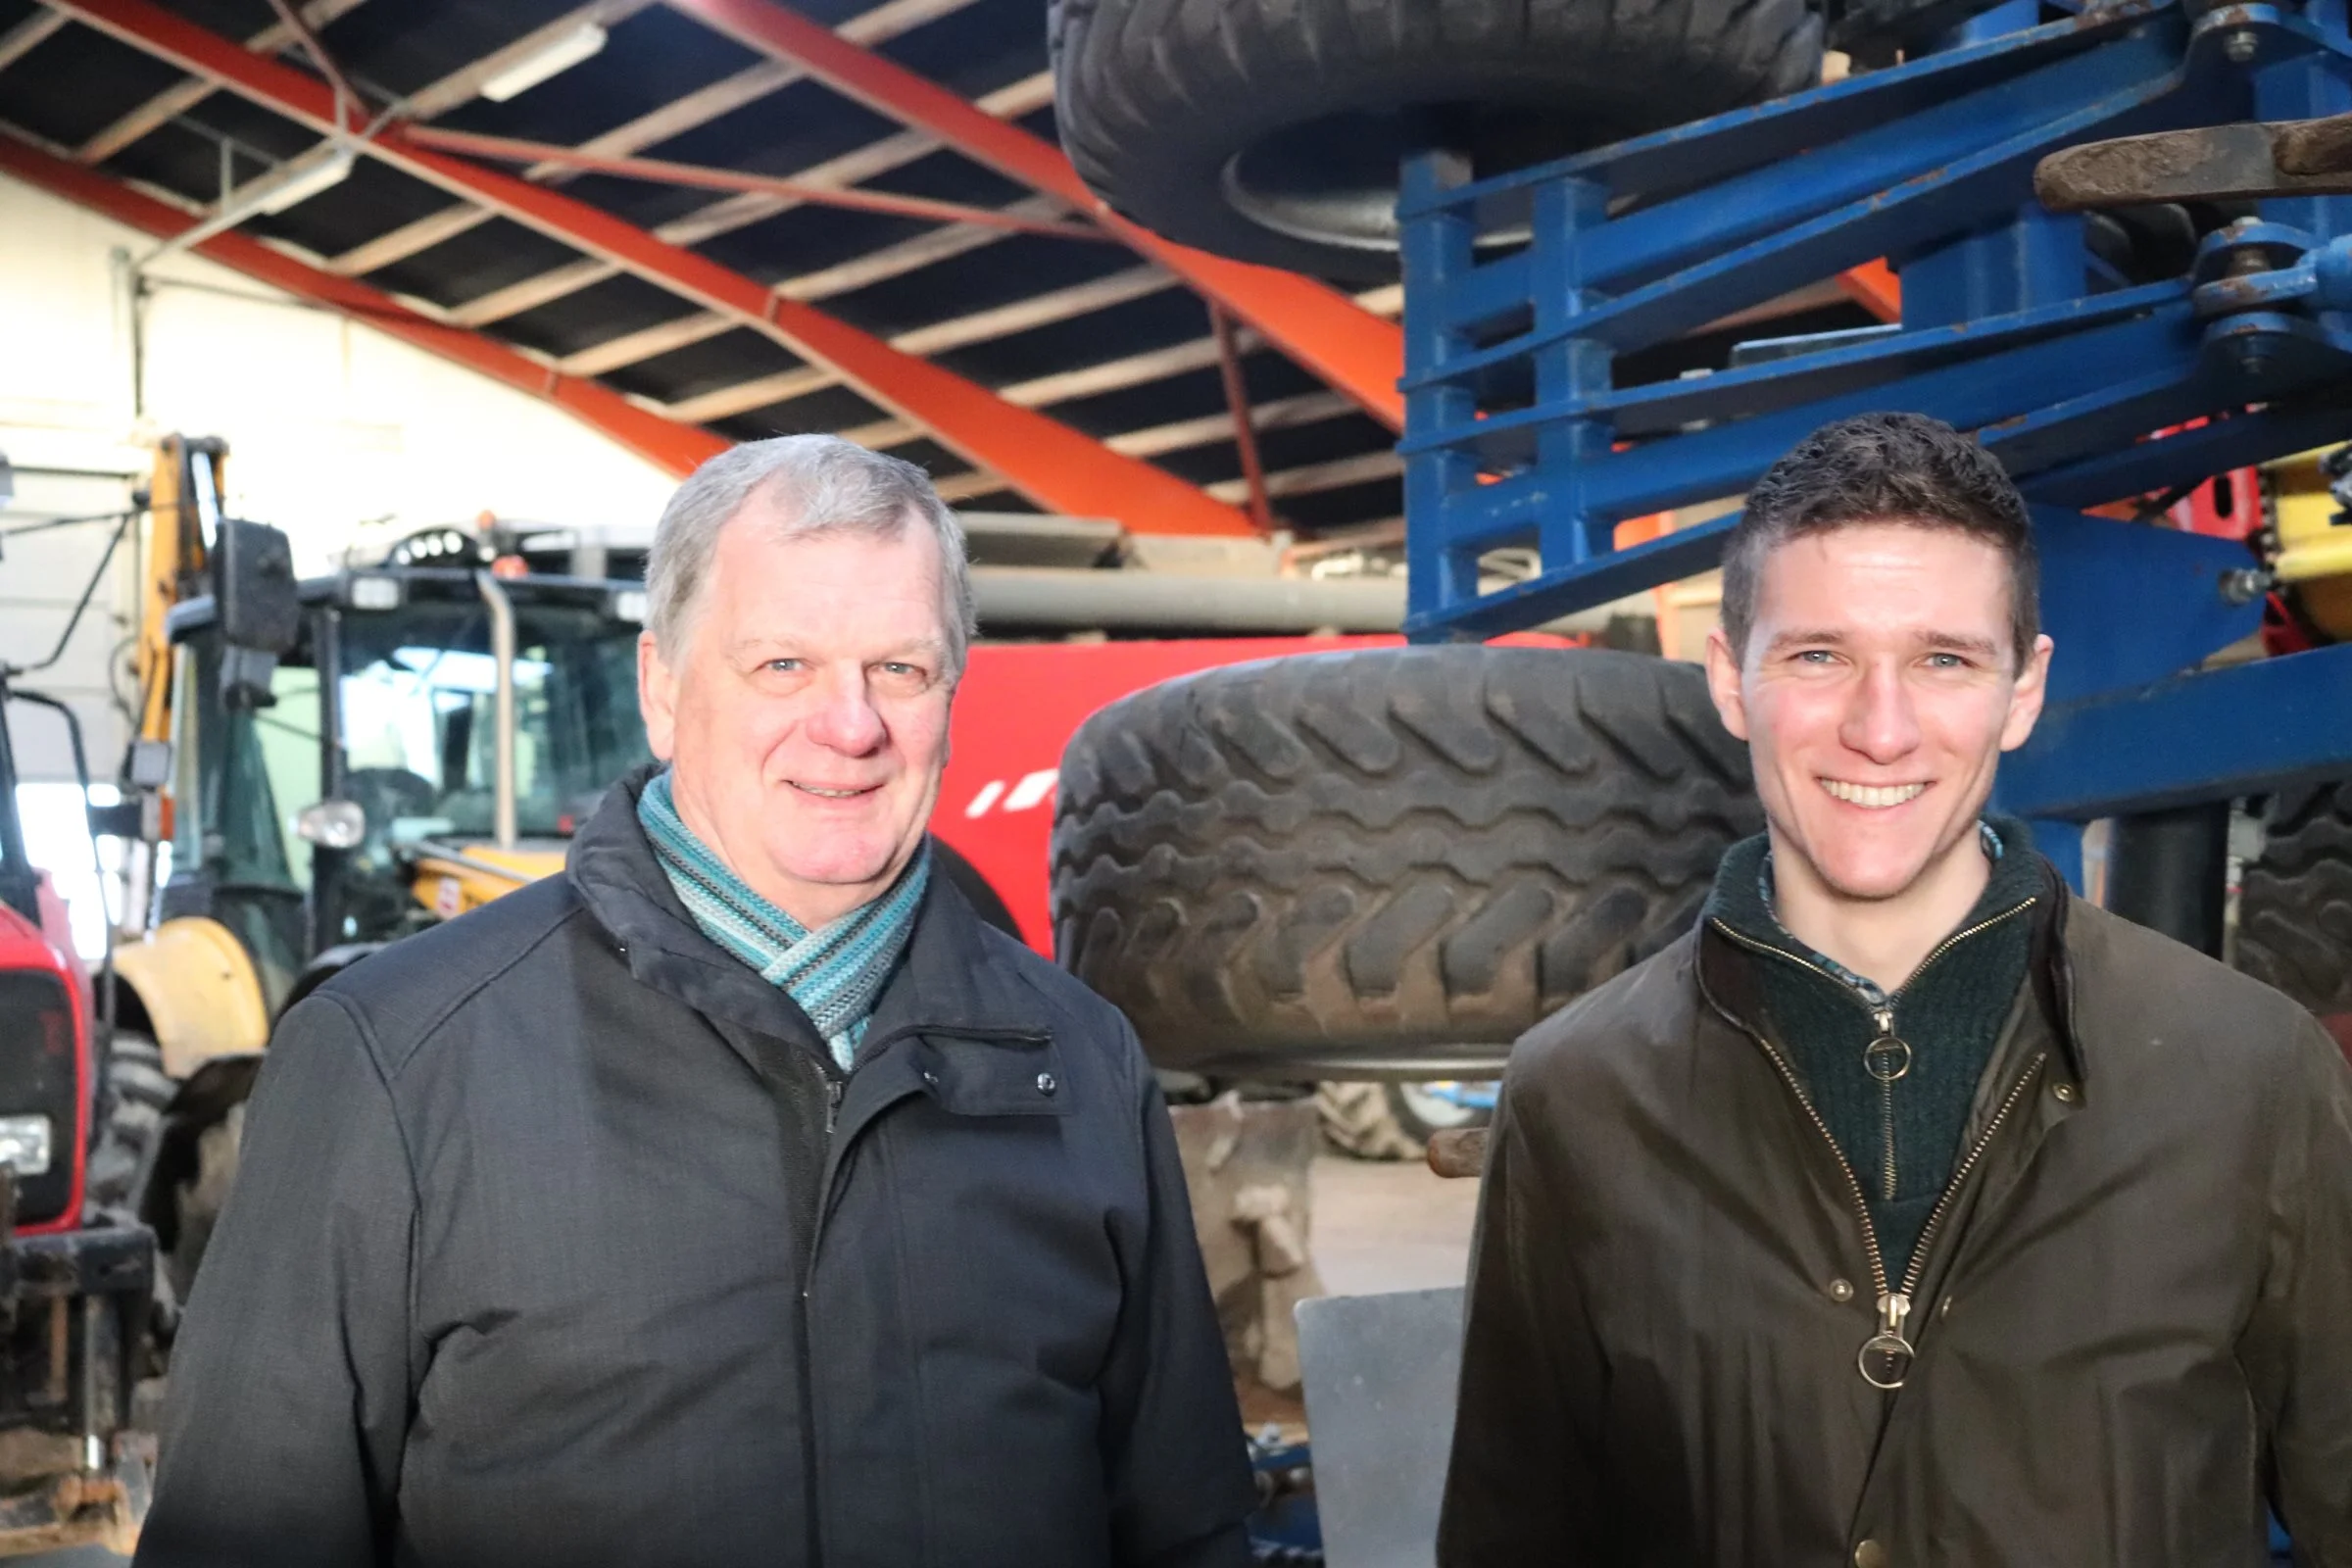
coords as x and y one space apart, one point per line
775 645
1802 637
1955 643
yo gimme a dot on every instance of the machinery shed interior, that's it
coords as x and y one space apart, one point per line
1346 405
1072 324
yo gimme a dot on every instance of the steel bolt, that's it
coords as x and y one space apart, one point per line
2241 46
1046 1084
2245 585
1841 1290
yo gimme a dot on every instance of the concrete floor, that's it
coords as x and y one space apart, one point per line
1376 1227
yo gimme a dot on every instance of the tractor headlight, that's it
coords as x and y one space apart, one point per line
24 1145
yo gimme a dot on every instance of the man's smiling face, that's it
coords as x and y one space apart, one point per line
1877 690
806 719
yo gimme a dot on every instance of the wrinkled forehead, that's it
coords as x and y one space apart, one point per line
773 576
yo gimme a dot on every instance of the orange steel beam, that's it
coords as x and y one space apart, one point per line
674 448
1360 353
514 150
1045 459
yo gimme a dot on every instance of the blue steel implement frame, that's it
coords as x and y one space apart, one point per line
1520 289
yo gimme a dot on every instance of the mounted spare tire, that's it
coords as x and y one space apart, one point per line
1390 862
1270 130
2294 911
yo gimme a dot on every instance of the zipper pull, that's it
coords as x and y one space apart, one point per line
1885 1019
835 1088
1886 1357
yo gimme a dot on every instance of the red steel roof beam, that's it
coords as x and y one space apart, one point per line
1356 352
512 150
1045 459
674 448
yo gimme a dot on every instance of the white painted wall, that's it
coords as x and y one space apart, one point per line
337 433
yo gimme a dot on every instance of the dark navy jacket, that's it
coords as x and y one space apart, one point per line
560 1240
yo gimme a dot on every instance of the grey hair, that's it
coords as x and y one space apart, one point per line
822 485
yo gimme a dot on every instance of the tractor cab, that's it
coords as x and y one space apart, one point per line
430 741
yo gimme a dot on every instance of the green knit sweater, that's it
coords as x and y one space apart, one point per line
1897 1116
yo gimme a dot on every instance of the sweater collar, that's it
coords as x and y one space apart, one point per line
1741 902
1742 895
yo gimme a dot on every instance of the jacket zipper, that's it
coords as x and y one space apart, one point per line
1895 1306
837 1088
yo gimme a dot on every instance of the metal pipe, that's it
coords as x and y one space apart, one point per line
1145 601
94 1424
1244 431
501 650
510 149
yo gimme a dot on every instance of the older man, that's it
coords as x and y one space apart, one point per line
737 1196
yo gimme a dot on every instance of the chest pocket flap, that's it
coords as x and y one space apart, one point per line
1007 1075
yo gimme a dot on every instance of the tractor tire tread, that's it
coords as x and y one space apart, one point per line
1386 848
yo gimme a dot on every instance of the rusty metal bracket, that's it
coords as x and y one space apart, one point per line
2211 162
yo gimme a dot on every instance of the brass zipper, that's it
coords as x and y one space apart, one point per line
1895 1306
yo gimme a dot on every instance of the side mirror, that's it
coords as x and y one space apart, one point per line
259 605
331 824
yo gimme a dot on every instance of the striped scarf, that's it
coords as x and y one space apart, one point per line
834 972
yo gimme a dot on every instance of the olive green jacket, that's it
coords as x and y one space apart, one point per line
2132 1329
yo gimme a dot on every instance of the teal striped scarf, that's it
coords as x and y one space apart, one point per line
835 972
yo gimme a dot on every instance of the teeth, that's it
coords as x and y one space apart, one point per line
1872 795
830 794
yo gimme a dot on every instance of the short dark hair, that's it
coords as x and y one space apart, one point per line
1876 468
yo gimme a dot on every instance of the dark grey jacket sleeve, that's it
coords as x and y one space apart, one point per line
2297 1348
1178 1466
1524 1485
291 1378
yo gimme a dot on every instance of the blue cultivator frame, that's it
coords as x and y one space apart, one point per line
1521 289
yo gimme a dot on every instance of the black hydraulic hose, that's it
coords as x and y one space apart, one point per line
116 516
89 591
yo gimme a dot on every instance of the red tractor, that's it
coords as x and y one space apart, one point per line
74 1276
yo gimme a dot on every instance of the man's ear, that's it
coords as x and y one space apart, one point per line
2027 697
1722 683
656 696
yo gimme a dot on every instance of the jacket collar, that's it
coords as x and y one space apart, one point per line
948 983
1727 975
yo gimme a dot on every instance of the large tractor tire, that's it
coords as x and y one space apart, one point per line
1271 130
130 1120
2294 912
1389 861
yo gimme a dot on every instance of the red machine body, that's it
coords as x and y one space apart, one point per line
39 967
1016 710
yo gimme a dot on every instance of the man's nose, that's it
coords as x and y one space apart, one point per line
845 718
1880 721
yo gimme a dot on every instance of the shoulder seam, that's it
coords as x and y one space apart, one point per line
432 1026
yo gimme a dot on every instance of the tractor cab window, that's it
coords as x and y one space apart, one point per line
419 699
255 769
416 713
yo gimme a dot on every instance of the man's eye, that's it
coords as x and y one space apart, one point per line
900 670
784 665
1946 661
1814 656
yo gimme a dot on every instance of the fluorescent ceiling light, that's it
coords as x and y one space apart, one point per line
561 56
298 181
